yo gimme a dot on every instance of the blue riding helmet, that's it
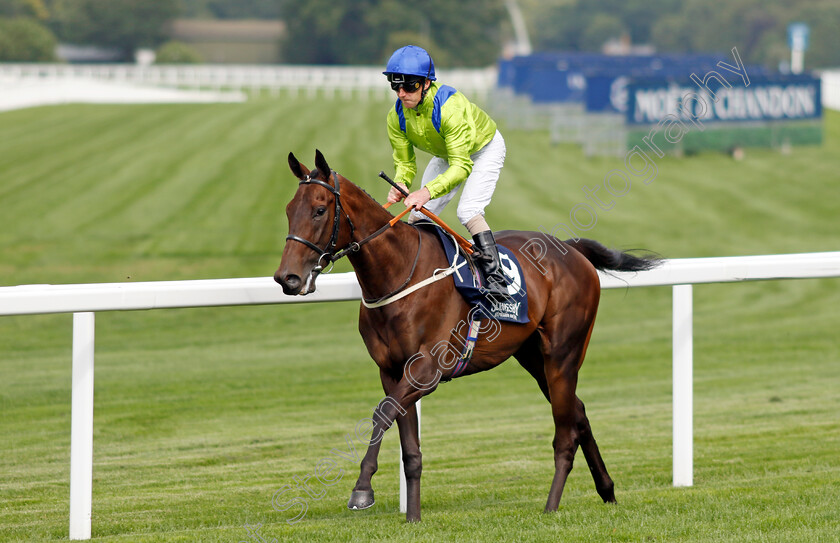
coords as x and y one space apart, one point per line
411 60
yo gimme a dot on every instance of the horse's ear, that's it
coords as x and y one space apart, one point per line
321 164
298 169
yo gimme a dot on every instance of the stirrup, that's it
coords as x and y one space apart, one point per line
494 286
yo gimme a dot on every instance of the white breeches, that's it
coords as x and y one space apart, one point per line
477 190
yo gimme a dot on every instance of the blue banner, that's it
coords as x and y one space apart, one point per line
606 93
596 80
554 86
776 98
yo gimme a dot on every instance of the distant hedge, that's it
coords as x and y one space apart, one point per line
175 52
25 40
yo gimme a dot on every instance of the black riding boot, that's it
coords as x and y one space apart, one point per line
488 261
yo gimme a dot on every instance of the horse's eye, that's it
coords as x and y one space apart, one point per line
320 212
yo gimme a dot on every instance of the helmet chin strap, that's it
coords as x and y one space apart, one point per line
423 92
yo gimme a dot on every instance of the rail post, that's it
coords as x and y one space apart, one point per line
81 427
683 394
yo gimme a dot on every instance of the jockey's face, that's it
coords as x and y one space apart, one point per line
410 98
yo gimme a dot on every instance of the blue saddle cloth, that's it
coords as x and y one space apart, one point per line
510 308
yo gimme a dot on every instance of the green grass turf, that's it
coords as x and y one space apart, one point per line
202 414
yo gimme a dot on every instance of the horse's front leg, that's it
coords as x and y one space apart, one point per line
412 461
362 495
398 405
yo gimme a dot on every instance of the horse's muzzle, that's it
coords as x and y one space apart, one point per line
291 283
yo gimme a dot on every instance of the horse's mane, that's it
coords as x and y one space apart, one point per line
367 194
316 173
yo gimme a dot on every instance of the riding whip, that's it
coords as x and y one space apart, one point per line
466 245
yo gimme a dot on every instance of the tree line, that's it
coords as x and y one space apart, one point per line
463 33
757 27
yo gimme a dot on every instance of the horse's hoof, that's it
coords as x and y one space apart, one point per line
360 499
608 495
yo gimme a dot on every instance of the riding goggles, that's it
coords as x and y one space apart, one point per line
409 83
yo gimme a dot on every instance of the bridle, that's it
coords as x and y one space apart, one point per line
330 253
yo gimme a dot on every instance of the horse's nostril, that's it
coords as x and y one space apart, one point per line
291 283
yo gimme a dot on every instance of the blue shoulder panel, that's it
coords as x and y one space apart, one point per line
399 109
443 94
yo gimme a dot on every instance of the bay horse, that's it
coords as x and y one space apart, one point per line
330 217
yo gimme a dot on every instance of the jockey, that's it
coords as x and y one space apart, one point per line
468 151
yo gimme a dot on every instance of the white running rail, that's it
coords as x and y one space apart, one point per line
328 81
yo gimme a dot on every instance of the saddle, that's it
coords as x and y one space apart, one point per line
469 283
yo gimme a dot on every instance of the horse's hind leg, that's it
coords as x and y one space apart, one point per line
557 380
561 385
563 345
530 358
603 483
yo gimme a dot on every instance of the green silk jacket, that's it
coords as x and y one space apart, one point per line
447 125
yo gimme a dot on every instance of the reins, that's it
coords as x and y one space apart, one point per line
354 246
383 300
465 245
398 294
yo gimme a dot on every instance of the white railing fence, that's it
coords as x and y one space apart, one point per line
329 81
311 80
831 88
84 300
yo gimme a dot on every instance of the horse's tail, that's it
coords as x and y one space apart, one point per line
612 259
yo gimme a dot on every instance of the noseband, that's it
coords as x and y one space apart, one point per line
329 252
